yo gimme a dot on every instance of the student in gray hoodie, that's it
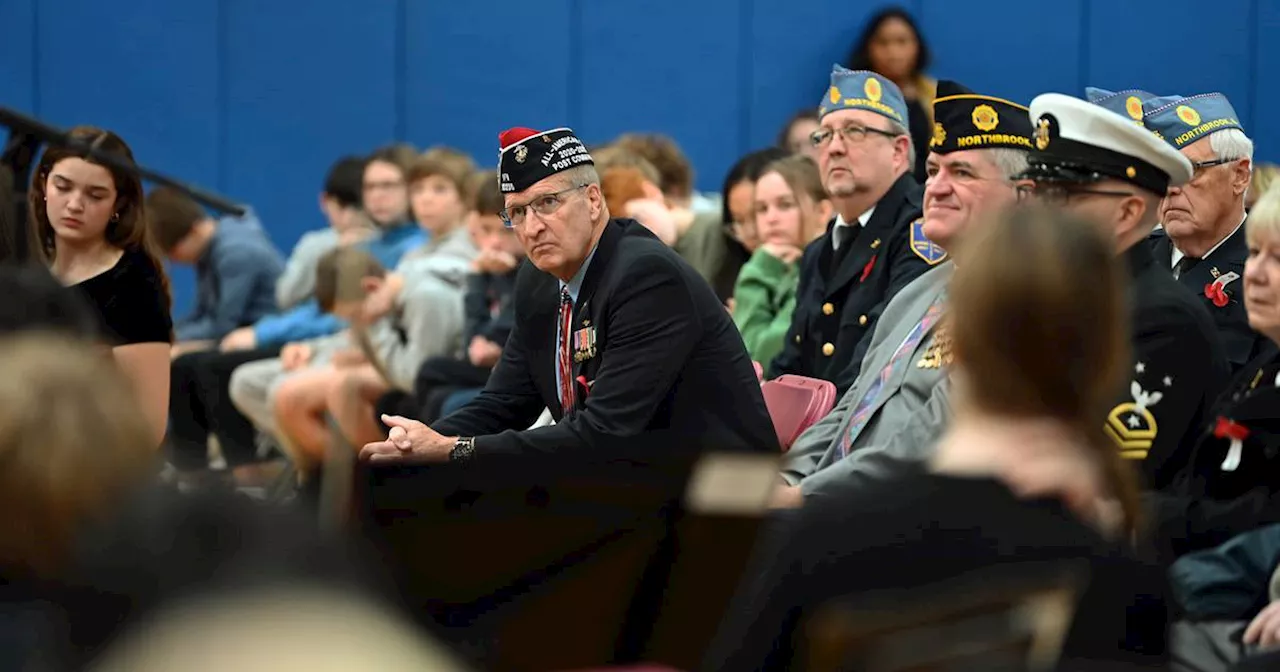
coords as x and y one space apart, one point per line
402 318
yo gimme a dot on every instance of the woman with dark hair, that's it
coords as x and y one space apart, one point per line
891 45
88 224
738 212
1023 479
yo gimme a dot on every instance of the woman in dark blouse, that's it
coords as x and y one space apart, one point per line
87 220
1024 476
891 45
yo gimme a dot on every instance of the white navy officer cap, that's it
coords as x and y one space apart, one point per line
1077 142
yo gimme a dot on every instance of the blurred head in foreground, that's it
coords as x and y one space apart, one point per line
73 441
278 630
1043 349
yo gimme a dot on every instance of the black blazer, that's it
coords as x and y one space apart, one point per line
1179 370
836 313
670 373
1239 341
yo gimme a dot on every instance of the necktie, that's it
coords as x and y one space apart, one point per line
1185 265
565 367
844 236
862 412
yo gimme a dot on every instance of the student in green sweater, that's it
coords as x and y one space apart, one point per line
791 210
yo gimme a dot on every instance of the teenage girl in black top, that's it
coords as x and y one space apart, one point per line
88 222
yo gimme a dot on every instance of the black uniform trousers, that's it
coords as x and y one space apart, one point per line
200 404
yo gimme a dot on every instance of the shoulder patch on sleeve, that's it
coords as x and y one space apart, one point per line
924 248
1131 424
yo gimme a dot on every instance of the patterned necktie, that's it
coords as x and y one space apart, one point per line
566 369
862 412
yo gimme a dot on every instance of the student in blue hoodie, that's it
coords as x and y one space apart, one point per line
236 265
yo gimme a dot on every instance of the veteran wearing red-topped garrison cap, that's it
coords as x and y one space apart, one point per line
621 339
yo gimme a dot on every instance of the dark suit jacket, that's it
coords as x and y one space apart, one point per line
1178 371
835 314
671 372
1239 341
1209 504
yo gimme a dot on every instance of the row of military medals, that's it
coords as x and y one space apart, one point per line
938 353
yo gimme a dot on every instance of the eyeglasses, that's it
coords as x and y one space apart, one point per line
387 185
1060 194
1199 167
850 134
543 205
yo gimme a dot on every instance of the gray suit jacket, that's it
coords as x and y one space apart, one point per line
907 417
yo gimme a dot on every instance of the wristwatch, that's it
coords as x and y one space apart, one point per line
463 449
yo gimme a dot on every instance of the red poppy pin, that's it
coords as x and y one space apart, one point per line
1216 291
1226 428
586 385
866 270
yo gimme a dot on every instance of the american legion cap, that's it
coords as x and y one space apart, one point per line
1181 121
966 120
1075 141
1128 102
863 90
527 156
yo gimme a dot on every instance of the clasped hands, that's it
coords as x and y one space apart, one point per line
409 441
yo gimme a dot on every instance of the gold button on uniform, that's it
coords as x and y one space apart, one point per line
797 339
828 349
827 309
862 320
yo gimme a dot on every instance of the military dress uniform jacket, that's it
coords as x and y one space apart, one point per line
1226 491
907 411
658 365
835 312
1179 369
1223 268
